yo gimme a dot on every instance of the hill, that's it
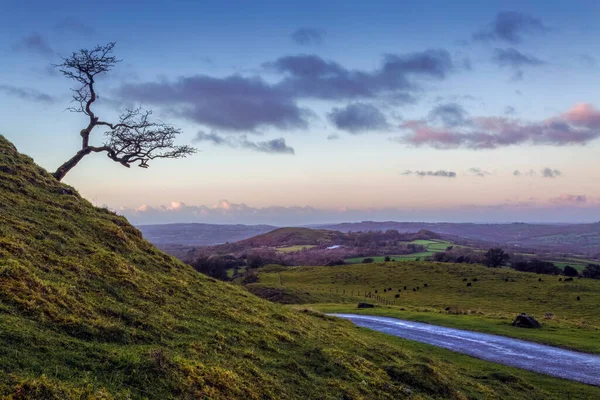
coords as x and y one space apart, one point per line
291 237
89 309
582 239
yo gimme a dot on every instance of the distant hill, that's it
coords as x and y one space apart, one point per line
200 234
91 310
293 236
569 238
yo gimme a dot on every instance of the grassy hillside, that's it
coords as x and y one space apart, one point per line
489 304
90 310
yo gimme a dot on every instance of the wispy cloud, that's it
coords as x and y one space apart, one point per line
479 172
274 146
511 27
34 43
27 94
308 36
439 173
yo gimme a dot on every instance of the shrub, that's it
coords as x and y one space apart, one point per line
368 260
537 266
570 271
592 271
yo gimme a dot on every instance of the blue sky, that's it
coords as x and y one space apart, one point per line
307 112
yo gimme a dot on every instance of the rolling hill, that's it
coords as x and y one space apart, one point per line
91 310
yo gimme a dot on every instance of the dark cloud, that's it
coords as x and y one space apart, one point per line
72 25
517 172
34 43
440 173
451 115
310 76
580 125
308 36
511 27
333 136
357 118
479 172
511 57
232 103
274 146
27 94
550 173
239 103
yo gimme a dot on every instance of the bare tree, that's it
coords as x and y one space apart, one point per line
134 138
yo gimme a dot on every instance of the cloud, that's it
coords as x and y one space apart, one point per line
516 173
358 117
226 212
550 173
579 125
511 27
34 43
439 173
27 94
588 61
570 199
233 103
241 103
479 172
308 36
274 146
450 115
509 110
72 25
515 60
309 76
333 136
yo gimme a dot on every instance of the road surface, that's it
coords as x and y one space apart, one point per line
535 357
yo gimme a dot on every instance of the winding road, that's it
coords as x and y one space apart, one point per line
535 357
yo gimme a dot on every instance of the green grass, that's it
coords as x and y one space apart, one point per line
432 246
295 248
90 310
489 305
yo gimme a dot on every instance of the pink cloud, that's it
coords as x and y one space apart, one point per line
579 125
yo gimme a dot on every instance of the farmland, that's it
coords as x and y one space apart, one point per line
431 247
457 295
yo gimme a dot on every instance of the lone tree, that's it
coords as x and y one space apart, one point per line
495 257
135 138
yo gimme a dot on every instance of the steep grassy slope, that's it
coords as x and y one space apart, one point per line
88 309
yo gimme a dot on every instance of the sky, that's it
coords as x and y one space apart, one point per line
316 112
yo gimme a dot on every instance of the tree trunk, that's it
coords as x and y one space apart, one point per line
66 167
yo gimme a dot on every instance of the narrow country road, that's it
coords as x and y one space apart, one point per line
535 357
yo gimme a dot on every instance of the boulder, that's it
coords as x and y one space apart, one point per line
526 321
366 305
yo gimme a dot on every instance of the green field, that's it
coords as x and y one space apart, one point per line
295 248
431 246
488 305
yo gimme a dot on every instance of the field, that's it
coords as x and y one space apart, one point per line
431 246
294 248
488 305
